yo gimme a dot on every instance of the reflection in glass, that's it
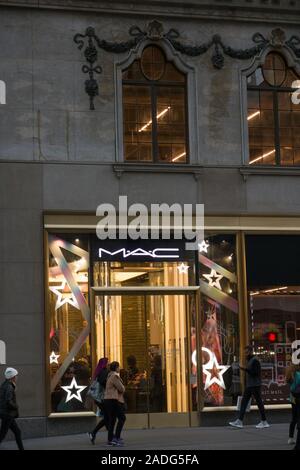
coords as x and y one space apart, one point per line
274 308
275 323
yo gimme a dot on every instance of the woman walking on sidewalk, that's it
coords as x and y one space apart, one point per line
293 379
100 376
115 405
9 409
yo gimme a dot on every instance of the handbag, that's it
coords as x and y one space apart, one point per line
239 404
96 392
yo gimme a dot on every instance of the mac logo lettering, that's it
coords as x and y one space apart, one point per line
170 253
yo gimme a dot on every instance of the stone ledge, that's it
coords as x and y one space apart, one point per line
216 9
268 171
122 168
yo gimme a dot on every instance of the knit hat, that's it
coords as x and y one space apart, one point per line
10 373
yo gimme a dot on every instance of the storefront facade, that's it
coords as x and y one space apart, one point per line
184 107
156 316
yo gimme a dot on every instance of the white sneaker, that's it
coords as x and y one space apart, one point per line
291 441
263 425
237 424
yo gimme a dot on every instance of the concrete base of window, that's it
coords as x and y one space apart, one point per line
47 427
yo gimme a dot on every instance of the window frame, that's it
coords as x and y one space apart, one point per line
291 63
153 85
274 90
191 107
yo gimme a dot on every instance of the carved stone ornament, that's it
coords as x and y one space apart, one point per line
155 32
277 38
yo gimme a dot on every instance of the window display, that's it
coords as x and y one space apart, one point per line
220 321
70 319
274 308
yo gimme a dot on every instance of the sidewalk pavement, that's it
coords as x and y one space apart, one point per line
205 438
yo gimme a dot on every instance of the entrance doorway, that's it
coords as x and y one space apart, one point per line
151 332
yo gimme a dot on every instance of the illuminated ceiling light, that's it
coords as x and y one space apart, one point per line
54 358
269 291
178 157
79 389
63 300
203 247
253 115
274 290
183 268
214 279
157 117
77 240
263 156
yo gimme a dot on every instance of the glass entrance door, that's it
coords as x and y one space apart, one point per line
149 334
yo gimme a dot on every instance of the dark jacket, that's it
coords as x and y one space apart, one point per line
102 378
8 400
253 371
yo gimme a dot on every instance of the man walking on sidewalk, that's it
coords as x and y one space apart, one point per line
253 388
9 410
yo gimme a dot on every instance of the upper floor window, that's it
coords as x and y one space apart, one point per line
273 118
154 110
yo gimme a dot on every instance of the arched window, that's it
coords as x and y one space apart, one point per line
154 110
273 118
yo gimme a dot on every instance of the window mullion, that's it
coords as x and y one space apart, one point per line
277 127
154 124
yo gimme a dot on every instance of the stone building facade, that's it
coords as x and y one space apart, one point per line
62 154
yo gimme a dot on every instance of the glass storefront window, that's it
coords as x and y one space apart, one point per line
274 308
154 337
148 335
220 321
118 274
70 345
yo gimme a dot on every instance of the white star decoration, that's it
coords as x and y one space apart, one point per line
213 365
214 279
63 300
183 268
54 358
203 247
79 389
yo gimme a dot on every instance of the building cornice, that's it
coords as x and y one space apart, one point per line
286 11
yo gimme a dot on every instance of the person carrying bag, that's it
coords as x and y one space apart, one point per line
97 392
